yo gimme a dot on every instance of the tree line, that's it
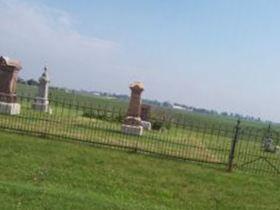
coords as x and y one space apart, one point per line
165 104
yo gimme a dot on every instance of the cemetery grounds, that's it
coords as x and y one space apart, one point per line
89 173
184 136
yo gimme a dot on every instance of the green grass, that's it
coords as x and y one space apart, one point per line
205 144
43 174
206 138
188 143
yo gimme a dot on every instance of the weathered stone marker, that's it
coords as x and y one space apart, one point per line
132 123
145 112
145 116
41 102
8 80
268 145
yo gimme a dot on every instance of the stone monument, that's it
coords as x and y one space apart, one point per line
145 112
145 116
9 69
41 102
132 123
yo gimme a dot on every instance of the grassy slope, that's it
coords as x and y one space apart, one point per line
44 174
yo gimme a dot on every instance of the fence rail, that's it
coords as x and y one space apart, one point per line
232 147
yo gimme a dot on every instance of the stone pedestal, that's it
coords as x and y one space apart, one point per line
145 116
132 130
41 102
132 123
9 108
42 105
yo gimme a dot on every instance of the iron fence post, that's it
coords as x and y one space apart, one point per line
233 145
269 134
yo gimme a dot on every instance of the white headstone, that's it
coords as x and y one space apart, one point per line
41 102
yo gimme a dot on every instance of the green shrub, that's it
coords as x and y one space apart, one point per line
103 115
157 125
160 125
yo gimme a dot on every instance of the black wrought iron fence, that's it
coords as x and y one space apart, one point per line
232 147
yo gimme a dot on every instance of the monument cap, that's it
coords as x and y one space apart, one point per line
10 62
138 85
45 75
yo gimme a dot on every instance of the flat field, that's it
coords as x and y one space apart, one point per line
107 102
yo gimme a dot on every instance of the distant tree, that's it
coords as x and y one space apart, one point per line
236 115
167 104
121 97
201 111
213 112
32 82
21 81
152 102
224 114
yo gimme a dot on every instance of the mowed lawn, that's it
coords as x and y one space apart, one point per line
47 174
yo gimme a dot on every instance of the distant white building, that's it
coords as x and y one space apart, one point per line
178 107
96 93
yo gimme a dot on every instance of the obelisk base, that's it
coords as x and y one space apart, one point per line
41 105
132 130
9 108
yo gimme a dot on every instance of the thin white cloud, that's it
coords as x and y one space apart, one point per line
37 34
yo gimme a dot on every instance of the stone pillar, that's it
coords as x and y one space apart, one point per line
132 123
41 102
145 116
8 80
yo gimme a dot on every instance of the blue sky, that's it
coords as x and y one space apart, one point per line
216 54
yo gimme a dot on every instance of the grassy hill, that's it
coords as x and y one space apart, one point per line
45 174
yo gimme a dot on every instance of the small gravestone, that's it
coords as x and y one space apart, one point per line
132 123
145 112
146 125
41 102
9 69
145 116
268 145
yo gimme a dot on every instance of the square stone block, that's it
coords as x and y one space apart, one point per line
132 130
9 108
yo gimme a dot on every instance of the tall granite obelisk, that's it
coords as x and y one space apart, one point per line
132 123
